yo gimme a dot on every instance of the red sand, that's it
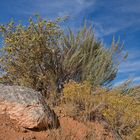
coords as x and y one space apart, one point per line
70 130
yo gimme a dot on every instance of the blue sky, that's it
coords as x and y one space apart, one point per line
119 18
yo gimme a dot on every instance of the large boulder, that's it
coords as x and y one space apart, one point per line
27 107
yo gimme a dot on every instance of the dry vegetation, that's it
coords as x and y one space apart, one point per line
121 110
73 72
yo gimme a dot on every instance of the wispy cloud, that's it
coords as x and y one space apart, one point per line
113 16
102 30
137 79
59 8
132 64
130 67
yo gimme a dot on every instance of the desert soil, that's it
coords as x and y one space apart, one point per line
70 130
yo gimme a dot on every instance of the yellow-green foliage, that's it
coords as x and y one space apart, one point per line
77 92
122 112
78 95
42 56
28 53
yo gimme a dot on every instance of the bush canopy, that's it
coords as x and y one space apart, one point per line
43 56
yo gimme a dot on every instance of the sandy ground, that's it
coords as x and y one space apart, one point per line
70 130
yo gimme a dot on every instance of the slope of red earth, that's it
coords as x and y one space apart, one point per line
70 130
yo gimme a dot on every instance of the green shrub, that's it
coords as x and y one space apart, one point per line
42 56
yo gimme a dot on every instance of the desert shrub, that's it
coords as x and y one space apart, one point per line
29 54
122 111
87 58
77 96
81 97
42 56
